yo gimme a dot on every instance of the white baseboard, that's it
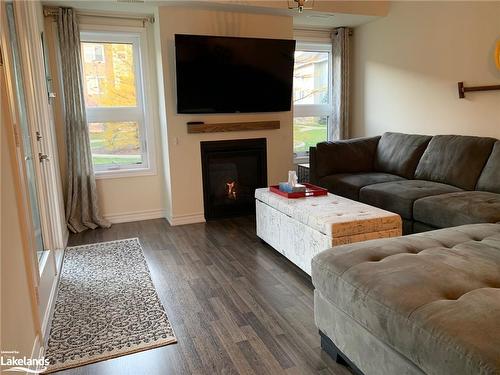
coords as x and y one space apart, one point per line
155 214
47 316
186 219
127 217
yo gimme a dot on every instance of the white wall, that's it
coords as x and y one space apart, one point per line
407 65
185 182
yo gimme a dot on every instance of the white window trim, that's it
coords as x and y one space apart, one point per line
141 56
314 110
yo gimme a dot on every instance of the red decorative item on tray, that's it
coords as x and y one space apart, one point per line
311 191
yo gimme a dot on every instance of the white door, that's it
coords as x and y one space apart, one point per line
30 157
26 72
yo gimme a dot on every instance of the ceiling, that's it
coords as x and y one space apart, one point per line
325 14
329 20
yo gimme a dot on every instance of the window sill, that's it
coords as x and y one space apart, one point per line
124 173
301 159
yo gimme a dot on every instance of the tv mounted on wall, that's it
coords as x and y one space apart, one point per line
232 75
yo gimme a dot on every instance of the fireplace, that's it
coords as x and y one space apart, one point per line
232 170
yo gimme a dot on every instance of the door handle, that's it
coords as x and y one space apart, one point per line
43 157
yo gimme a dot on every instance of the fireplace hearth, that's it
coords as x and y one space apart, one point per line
232 170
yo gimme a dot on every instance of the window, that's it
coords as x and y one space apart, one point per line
94 85
115 101
311 96
93 52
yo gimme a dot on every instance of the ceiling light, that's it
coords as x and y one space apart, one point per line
300 5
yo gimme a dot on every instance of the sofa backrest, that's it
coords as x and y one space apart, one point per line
490 177
399 153
455 160
350 156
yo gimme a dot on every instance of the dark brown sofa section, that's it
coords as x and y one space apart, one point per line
431 182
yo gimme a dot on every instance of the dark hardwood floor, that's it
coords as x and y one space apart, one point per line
235 304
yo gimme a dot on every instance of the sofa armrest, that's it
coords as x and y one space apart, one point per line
313 178
347 156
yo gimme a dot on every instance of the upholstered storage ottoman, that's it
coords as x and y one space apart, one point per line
301 228
427 303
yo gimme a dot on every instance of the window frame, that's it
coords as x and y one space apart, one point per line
140 113
315 110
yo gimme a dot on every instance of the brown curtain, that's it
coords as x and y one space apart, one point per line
82 209
341 86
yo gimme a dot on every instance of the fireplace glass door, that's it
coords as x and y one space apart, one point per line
232 170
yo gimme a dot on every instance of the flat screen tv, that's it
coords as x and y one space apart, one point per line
231 75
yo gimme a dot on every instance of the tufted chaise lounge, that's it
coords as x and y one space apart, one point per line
427 303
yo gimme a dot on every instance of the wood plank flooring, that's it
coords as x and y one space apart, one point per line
236 305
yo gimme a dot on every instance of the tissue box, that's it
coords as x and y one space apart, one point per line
285 186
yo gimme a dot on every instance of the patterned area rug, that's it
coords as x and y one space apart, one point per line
106 306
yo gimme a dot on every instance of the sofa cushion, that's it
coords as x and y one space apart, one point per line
454 160
449 210
349 156
419 227
399 153
490 176
348 185
399 196
433 297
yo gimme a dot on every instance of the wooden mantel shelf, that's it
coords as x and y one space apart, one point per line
233 126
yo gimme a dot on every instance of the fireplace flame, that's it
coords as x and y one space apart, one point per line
231 189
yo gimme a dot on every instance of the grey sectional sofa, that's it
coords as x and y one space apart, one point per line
431 182
427 303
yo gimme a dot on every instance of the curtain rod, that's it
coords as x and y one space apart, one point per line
335 30
312 29
54 11
329 31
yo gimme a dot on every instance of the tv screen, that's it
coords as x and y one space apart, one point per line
231 75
